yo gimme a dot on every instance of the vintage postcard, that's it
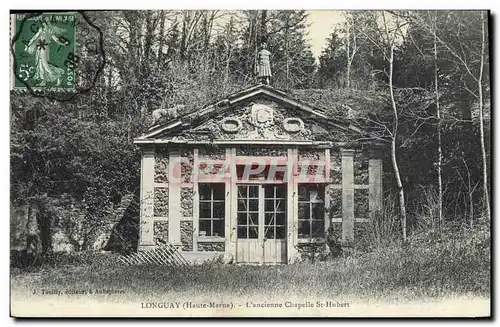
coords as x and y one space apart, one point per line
250 163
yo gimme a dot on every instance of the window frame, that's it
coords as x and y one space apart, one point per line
247 212
211 219
320 200
276 200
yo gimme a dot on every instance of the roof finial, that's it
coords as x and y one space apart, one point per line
263 67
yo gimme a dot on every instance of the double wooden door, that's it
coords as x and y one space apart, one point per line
262 224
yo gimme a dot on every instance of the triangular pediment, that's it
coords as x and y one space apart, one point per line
260 113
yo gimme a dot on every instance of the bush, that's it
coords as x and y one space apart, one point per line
455 260
382 229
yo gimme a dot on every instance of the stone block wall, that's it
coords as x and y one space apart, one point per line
187 164
336 230
312 163
210 247
161 166
335 207
312 155
361 204
187 235
160 196
187 202
360 167
160 202
182 208
160 230
174 203
253 151
212 153
360 179
335 166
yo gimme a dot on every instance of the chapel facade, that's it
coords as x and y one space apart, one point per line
254 177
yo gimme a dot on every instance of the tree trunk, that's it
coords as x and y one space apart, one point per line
148 38
471 202
263 27
184 36
287 68
229 35
33 242
228 62
44 220
481 125
348 54
440 153
348 75
401 193
395 166
159 56
471 210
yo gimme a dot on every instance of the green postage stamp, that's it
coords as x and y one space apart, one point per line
43 51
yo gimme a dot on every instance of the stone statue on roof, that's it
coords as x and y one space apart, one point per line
166 113
263 65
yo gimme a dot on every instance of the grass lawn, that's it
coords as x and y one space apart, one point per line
441 269
433 269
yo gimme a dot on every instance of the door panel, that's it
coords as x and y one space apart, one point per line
275 251
248 251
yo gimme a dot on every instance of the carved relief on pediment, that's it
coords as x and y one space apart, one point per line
263 120
261 115
231 125
293 125
267 121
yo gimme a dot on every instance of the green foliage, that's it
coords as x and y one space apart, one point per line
336 102
365 59
292 59
382 230
75 164
456 261
332 63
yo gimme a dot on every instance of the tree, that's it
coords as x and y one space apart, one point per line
292 62
57 154
438 117
350 59
427 44
351 46
331 62
390 31
469 54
